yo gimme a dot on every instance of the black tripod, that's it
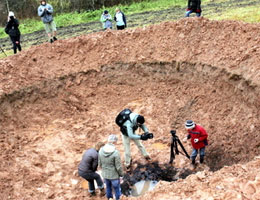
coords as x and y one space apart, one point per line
174 145
2 50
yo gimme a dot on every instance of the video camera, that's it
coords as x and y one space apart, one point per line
146 136
173 132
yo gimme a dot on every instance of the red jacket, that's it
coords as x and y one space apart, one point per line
200 133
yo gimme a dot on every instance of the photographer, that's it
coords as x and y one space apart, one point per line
13 31
45 11
128 129
106 19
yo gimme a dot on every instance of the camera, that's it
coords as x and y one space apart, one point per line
173 132
146 136
149 135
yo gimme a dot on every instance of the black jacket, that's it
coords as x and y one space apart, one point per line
89 162
194 4
11 28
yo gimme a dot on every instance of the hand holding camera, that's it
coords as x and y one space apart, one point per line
146 136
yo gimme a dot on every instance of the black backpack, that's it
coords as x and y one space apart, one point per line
123 116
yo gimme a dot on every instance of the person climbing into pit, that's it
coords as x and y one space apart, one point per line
199 140
129 122
87 169
45 11
13 31
110 163
193 7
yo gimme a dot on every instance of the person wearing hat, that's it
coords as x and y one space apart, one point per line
106 20
110 163
128 134
87 169
193 7
13 31
45 11
199 140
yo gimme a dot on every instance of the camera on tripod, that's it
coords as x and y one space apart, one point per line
174 147
173 132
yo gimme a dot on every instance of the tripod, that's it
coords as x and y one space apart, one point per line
174 146
3 50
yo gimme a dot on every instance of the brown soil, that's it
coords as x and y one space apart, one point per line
59 99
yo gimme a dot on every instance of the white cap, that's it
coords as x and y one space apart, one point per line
112 138
11 14
189 124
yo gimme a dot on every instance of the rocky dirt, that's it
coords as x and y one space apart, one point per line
59 99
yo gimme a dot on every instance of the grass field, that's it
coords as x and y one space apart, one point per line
138 15
68 19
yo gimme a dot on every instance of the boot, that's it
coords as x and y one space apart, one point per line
102 192
201 159
92 194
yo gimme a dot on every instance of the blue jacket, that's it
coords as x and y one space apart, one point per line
45 12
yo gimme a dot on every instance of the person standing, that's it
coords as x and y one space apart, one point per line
193 7
87 169
45 11
13 31
199 140
120 19
132 122
110 163
106 20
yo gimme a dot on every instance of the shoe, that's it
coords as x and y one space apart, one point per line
92 194
102 192
147 158
51 40
128 168
54 38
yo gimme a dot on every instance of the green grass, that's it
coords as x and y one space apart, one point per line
248 14
66 19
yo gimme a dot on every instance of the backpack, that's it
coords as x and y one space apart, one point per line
123 116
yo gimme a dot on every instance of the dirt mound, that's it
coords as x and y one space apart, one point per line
58 99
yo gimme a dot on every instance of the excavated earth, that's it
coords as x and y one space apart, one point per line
59 99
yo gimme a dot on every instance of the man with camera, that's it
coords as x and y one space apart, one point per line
45 11
13 31
128 128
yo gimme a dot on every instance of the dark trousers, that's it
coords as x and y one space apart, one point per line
120 27
16 43
90 177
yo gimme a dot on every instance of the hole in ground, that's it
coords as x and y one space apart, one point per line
54 121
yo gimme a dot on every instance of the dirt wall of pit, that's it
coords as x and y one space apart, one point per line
55 97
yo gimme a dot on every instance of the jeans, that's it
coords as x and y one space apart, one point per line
191 11
195 153
16 43
113 183
90 177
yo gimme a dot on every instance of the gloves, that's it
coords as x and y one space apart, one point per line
196 140
188 9
198 11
